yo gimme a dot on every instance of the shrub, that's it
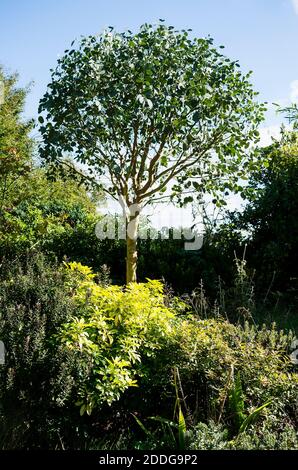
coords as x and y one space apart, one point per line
74 339
116 328
272 434
209 353
136 336
209 436
38 377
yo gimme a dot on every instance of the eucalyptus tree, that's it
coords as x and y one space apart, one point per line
147 116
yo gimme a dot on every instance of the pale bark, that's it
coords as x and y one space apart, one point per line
131 248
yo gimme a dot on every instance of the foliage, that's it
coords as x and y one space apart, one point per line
269 435
273 434
131 338
206 351
223 416
236 403
182 112
269 222
152 114
182 270
89 343
34 212
38 377
163 437
15 144
173 91
291 113
237 406
116 328
55 217
170 433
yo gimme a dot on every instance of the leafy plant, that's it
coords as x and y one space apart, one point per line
156 113
241 419
38 377
173 433
115 328
271 434
16 145
55 217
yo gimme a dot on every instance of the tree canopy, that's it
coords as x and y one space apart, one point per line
269 222
15 141
150 115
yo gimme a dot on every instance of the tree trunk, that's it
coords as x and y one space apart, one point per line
131 248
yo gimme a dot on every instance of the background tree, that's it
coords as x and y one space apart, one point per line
53 216
150 115
15 142
269 223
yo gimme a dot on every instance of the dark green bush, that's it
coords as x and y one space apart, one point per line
38 378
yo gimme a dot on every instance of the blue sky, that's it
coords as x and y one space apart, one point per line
261 34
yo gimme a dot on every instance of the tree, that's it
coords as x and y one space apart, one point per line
151 115
269 223
15 142
35 212
47 215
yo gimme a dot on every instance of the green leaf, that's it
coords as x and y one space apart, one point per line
253 417
181 429
236 402
144 429
156 88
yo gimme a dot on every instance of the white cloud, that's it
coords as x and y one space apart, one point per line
295 6
267 133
